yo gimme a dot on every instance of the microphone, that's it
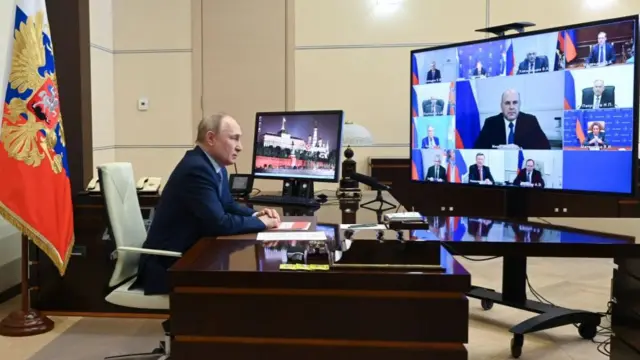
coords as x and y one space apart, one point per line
369 181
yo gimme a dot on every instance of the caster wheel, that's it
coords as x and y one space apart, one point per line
486 304
587 331
516 346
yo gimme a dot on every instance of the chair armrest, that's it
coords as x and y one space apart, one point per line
150 251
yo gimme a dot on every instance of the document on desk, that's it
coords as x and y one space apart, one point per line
298 225
292 236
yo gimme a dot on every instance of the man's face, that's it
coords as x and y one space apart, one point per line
225 145
436 160
602 38
430 132
531 56
598 88
529 166
480 160
510 105
479 65
433 65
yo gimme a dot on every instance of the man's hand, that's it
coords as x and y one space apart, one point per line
269 213
269 222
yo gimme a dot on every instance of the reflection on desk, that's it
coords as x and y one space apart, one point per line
488 230
230 298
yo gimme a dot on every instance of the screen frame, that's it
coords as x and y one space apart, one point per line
636 104
336 177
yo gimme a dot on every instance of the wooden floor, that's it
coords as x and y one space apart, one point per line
575 283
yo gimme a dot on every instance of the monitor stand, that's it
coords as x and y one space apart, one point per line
298 188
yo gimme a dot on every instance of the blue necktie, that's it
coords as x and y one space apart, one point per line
221 174
601 54
510 137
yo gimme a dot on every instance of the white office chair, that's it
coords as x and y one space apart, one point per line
127 229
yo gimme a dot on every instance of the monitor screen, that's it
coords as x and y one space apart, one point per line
298 145
552 109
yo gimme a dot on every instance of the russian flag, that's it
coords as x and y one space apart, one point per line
460 168
511 58
414 71
451 107
520 161
467 116
570 43
458 230
417 172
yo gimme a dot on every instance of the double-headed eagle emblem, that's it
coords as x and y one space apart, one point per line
31 124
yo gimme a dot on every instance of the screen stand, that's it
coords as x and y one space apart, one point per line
381 203
516 204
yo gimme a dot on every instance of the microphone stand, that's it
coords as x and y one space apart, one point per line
379 200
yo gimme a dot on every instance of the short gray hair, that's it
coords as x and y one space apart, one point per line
210 123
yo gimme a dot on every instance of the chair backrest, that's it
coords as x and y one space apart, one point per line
126 224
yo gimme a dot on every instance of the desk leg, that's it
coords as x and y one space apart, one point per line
514 287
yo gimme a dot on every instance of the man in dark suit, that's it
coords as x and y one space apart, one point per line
479 70
603 53
432 107
430 141
598 98
480 174
529 176
196 202
436 172
533 64
512 129
479 228
433 76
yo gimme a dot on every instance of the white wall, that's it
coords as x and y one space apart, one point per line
9 236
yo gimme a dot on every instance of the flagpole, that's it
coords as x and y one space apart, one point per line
26 321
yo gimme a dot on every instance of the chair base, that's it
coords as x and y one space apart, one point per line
159 353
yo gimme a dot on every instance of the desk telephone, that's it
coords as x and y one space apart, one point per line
144 185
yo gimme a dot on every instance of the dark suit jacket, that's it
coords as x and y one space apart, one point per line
476 227
606 100
590 137
431 173
425 142
540 65
195 203
528 133
475 72
474 173
536 178
433 76
610 55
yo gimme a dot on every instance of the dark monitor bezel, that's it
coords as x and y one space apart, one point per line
636 110
336 176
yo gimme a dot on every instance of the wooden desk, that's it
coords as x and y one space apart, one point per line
230 299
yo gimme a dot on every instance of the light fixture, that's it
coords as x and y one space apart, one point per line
356 135
386 6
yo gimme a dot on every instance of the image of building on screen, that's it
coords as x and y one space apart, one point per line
302 146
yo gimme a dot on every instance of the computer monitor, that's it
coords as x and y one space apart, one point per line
550 110
298 147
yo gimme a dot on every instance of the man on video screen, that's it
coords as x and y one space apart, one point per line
512 129
533 64
598 98
433 76
602 53
529 176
